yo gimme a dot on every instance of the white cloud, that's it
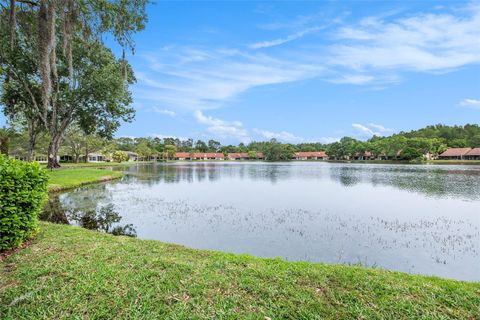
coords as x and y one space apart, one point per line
326 140
470 103
353 79
282 135
213 77
363 129
280 41
424 42
381 128
164 111
222 128
375 51
371 129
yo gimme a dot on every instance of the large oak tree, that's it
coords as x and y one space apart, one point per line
56 70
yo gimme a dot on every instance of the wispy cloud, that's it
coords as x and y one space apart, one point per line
470 103
222 128
212 77
282 135
374 51
164 111
326 139
353 79
430 42
280 41
371 129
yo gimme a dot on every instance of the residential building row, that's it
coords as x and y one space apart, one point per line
449 154
461 154
320 155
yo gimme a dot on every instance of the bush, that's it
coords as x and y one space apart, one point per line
119 156
23 190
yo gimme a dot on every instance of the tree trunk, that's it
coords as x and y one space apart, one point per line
86 151
32 140
53 153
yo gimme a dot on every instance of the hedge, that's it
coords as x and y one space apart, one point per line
23 191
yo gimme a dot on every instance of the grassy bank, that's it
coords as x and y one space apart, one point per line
69 272
454 162
98 164
62 179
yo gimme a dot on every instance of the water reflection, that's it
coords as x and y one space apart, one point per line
87 215
452 181
414 218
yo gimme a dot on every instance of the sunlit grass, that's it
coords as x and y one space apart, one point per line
61 179
69 272
98 164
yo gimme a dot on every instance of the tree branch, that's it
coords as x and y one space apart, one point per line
30 93
32 3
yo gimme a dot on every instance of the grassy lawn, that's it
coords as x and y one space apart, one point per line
69 272
61 179
454 161
98 164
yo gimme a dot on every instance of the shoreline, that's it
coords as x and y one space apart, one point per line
439 162
72 178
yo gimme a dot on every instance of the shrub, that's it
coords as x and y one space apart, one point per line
119 156
23 190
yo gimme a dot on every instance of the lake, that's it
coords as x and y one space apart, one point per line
422 219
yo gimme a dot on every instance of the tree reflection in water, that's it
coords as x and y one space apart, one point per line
104 219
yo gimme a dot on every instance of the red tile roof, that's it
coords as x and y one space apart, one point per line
208 155
473 152
455 152
182 155
319 154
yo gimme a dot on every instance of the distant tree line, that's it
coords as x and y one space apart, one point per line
402 146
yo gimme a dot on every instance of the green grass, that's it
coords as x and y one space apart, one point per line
67 165
454 161
69 272
62 179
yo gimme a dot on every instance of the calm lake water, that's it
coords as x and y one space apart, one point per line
421 219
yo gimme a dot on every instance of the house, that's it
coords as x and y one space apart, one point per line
317 155
66 158
367 155
208 156
238 156
96 157
473 154
91 157
183 156
132 156
40 158
454 154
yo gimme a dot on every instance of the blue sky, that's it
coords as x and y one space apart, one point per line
302 71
